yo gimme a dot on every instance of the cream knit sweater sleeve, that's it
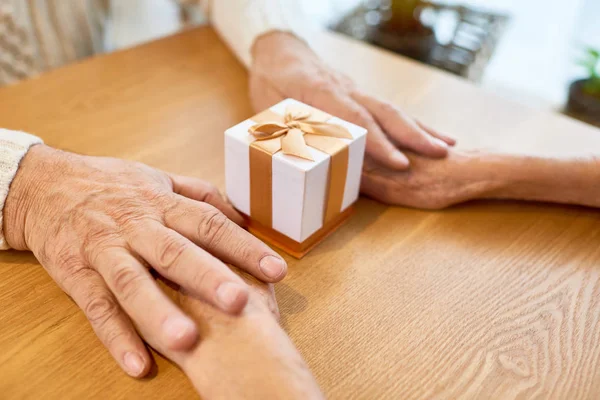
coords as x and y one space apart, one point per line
240 22
13 146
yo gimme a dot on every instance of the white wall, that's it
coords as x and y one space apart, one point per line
137 21
536 55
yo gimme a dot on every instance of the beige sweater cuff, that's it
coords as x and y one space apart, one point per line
13 147
241 22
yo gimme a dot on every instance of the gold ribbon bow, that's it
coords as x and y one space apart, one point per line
292 133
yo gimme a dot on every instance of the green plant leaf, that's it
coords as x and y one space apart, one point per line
590 60
593 53
586 62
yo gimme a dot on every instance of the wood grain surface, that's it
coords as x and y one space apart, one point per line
485 300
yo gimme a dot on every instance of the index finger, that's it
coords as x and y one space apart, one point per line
210 229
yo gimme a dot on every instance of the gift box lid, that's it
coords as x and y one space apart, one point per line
240 132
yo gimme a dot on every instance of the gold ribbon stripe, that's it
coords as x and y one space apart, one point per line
313 132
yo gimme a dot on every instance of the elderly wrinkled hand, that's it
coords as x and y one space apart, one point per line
433 184
285 67
98 225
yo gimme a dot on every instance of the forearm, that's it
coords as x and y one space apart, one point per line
568 181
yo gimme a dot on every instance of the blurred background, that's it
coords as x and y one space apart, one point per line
529 51
541 53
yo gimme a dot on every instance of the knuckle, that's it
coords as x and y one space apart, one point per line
211 194
128 215
114 335
362 118
212 226
173 208
74 278
211 189
171 251
358 114
126 282
246 250
100 309
321 85
388 109
67 260
95 245
98 233
201 278
153 195
137 207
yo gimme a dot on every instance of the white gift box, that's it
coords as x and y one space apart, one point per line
298 187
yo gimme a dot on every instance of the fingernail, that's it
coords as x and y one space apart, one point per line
451 140
229 293
134 364
400 159
440 143
176 328
273 267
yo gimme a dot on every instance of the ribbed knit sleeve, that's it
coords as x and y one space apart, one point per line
13 147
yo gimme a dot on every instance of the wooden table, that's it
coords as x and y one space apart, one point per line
478 301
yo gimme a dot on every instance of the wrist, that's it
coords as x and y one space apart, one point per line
22 194
225 346
249 354
475 173
497 173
